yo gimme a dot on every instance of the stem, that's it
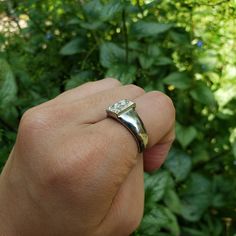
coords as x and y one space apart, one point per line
140 7
125 36
88 55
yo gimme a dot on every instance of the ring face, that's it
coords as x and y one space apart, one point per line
124 112
120 107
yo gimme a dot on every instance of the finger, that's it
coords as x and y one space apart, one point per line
155 156
92 109
158 114
87 89
126 210
83 91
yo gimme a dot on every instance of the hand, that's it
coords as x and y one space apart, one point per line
73 171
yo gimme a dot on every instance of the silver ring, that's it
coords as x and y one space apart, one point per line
124 112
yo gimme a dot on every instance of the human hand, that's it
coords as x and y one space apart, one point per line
73 171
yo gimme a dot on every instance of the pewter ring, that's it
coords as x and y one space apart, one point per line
124 112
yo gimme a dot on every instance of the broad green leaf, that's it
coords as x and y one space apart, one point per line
160 218
102 11
172 201
146 29
179 164
125 73
203 94
195 197
145 61
8 87
110 10
154 50
163 61
185 135
78 79
74 46
111 54
156 185
91 25
179 80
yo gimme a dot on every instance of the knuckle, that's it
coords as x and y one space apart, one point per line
166 102
135 89
113 81
34 119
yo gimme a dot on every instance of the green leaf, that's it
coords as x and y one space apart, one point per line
179 80
160 218
96 10
192 232
110 10
179 164
203 94
125 73
111 54
74 46
163 61
8 87
78 79
156 185
145 61
146 29
195 197
172 201
185 135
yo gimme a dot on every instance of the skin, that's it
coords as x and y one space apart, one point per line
73 171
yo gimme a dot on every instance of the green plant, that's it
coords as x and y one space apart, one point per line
185 49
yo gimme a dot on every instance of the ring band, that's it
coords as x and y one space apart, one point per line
124 112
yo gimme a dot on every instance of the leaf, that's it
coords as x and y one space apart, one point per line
78 79
195 197
111 54
192 232
8 87
160 218
185 135
179 164
178 79
156 185
110 10
74 46
163 61
96 10
146 29
145 61
125 73
203 94
172 201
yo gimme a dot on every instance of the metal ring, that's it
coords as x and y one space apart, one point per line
124 112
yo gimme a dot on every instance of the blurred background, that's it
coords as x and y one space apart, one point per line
187 49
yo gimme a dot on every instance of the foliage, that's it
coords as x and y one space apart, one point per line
183 48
